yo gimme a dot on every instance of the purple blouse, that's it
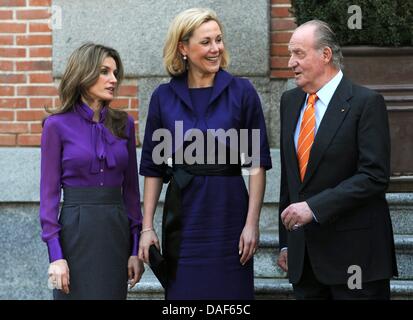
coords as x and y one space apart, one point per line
78 152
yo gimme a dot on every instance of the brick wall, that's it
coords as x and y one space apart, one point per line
282 27
27 83
26 80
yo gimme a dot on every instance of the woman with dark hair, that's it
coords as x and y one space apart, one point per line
210 224
88 150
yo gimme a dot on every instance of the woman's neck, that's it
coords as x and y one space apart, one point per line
198 80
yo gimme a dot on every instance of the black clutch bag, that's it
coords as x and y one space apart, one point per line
158 265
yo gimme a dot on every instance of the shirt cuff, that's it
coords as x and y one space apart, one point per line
135 244
283 249
55 250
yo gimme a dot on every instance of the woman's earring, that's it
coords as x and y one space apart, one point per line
184 57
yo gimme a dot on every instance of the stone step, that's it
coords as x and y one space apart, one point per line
393 89
265 259
265 288
401 211
148 288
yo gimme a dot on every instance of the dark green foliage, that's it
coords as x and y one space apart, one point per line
384 22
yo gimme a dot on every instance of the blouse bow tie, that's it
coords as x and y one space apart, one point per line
102 139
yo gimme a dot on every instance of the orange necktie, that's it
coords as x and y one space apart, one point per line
306 137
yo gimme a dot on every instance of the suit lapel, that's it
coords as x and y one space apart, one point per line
293 113
334 116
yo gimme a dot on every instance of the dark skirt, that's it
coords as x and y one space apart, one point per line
95 240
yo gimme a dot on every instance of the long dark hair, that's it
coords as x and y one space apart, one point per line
82 72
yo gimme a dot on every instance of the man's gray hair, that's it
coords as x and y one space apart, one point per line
325 37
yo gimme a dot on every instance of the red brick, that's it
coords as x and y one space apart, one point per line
13 103
33 14
40 3
9 27
133 103
6 66
36 40
12 78
128 91
280 50
41 78
7 139
13 52
281 37
36 127
41 52
120 103
37 91
6 14
40 103
283 24
30 115
280 12
6 40
279 62
6 90
39 27
6 115
34 65
12 3
282 74
14 128
29 139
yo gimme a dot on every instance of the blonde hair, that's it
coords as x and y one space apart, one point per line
181 29
81 73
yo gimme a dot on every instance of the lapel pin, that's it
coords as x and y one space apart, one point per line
342 110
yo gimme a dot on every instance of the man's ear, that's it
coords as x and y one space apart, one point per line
327 55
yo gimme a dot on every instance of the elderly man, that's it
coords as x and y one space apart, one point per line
335 231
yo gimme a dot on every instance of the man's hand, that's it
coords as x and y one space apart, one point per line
282 261
296 215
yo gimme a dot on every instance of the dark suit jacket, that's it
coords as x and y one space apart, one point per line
345 183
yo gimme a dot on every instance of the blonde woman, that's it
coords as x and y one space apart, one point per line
88 151
210 223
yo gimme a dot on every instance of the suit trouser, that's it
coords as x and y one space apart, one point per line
310 288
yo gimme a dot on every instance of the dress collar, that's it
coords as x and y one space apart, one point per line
179 85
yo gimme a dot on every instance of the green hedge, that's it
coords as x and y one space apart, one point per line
384 22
